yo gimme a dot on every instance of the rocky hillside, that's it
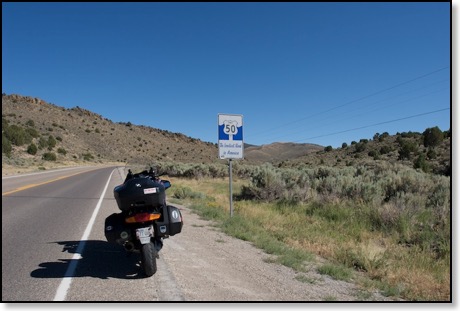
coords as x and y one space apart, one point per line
84 135
80 134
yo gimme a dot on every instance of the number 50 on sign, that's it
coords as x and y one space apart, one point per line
230 129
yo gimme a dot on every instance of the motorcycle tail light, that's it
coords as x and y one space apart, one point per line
143 217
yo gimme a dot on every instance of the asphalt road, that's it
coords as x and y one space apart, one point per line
54 246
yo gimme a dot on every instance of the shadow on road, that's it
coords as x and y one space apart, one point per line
100 259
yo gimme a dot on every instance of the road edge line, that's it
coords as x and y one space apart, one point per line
63 288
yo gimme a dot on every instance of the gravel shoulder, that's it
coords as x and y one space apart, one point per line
208 265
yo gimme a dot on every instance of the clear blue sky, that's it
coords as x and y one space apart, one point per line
323 73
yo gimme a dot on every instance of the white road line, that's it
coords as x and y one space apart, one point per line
61 292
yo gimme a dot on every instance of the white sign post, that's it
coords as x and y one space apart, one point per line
231 146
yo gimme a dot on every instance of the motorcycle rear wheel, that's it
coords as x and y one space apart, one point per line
149 259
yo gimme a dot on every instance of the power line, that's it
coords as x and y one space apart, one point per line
367 126
324 124
353 101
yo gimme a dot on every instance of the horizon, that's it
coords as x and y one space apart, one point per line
245 142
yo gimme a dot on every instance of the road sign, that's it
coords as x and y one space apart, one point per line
230 129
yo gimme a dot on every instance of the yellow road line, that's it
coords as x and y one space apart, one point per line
43 183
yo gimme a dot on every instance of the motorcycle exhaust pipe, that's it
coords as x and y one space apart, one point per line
129 246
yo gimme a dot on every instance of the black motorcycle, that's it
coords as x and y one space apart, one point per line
145 218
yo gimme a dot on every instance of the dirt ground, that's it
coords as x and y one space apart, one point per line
211 266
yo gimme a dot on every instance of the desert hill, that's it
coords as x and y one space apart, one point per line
81 133
84 135
34 131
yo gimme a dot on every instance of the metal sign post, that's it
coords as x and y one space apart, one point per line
230 186
230 133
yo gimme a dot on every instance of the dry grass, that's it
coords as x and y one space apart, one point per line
397 270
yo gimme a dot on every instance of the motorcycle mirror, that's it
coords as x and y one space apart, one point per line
166 183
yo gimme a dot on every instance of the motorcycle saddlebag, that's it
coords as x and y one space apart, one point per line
113 227
139 192
171 222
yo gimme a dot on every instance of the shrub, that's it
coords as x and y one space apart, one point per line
6 145
32 132
32 149
5 124
407 148
51 142
49 156
267 184
421 163
431 154
383 136
42 142
62 151
17 135
385 149
373 153
88 156
432 137
181 192
361 146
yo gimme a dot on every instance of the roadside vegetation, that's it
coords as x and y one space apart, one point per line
386 227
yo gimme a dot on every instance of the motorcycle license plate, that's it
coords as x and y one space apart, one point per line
144 234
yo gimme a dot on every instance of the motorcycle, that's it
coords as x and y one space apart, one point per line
145 218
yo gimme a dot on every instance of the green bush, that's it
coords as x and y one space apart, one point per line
62 151
407 149
88 156
42 142
385 149
49 156
51 142
32 132
17 135
32 149
5 124
181 192
6 145
432 137
421 163
267 184
361 146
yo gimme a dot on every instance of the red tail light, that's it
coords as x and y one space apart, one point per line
142 217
